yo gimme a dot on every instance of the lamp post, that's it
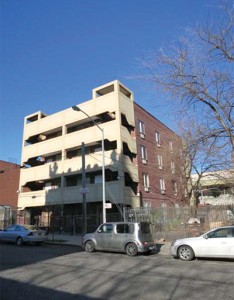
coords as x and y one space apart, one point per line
76 108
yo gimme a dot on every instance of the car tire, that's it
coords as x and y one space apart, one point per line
185 253
89 246
131 249
19 241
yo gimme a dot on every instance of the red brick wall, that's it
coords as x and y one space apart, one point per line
155 196
9 183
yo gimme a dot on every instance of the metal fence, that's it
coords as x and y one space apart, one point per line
8 216
166 223
170 223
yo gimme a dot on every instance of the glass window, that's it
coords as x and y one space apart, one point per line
221 233
11 228
170 146
162 185
141 127
17 228
145 180
106 228
174 186
143 152
145 227
124 228
160 161
157 138
172 167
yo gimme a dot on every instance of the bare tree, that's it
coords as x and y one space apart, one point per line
201 156
198 73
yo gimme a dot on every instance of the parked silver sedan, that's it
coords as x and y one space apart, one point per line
21 234
217 243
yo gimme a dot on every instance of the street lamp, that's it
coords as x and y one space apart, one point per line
76 108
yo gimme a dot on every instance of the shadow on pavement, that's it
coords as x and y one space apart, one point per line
11 289
12 256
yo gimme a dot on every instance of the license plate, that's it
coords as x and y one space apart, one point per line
151 247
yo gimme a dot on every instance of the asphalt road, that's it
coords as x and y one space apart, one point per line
66 272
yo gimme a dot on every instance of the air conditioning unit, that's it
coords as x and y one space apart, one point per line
142 135
163 191
146 188
144 161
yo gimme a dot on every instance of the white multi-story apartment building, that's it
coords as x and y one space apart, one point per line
141 158
51 155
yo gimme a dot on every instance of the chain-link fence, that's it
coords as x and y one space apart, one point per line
171 223
8 216
166 223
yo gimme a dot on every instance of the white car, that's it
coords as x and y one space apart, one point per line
217 243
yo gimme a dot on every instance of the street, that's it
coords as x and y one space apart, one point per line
67 272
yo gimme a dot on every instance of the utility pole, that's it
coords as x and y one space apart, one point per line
84 191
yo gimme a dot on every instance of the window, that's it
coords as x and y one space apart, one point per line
170 146
145 180
157 138
106 228
143 154
73 180
145 227
172 167
221 233
146 204
98 178
174 187
141 128
124 228
162 185
160 162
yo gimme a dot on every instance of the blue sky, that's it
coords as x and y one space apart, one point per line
54 52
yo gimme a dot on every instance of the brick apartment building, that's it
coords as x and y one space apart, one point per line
142 158
9 184
161 181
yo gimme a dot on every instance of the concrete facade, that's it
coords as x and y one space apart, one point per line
51 155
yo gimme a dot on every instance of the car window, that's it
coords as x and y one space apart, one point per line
220 233
11 228
106 228
122 228
145 227
17 228
30 227
125 228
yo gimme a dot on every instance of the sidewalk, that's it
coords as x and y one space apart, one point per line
65 239
162 247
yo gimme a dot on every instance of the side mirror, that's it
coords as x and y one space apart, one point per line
205 236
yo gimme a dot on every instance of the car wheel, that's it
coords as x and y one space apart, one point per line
185 253
131 249
89 246
19 241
